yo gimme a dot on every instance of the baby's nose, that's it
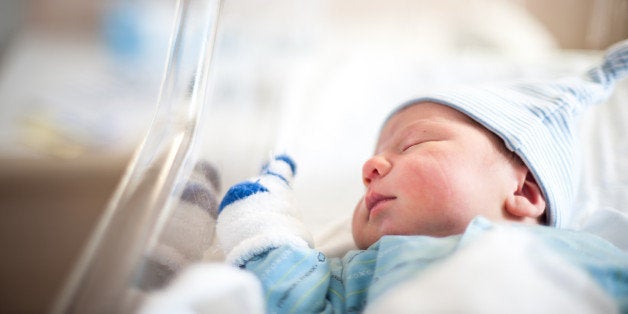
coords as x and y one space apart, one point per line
375 167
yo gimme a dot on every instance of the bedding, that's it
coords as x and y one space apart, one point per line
599 210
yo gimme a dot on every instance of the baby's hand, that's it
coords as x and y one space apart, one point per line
275 179
260 214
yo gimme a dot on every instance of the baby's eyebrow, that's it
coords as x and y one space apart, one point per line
425 127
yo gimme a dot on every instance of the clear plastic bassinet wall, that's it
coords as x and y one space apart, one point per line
315 79
217 119
114 271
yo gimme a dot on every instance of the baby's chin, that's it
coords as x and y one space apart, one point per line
363 241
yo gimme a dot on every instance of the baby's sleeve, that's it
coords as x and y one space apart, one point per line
298 280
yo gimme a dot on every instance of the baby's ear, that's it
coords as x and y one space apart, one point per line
527 200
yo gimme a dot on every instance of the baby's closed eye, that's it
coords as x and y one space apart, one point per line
416 143
405 147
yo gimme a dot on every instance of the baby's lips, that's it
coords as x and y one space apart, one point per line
372 199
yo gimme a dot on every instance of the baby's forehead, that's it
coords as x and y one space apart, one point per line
428 117
427 113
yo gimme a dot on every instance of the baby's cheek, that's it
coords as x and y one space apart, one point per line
358 216
359 226
359 207
428 184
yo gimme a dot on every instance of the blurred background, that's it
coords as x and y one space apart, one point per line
79 81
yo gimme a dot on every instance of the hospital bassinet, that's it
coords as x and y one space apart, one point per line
314 79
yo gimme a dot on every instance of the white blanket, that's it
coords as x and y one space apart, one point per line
208 288
462 283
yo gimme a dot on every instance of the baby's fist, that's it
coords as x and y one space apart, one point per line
275 177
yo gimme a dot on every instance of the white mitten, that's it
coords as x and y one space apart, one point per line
260 213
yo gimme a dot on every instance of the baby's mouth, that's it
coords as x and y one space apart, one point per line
373 199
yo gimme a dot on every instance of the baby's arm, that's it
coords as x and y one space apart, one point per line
259 229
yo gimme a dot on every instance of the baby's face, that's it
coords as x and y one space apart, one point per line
433 170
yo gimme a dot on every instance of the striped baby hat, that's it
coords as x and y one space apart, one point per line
537 121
